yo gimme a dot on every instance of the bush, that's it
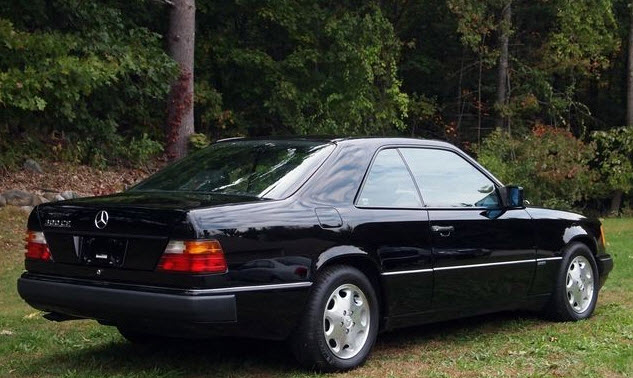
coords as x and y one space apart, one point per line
198 141
614 159
71 88
550 163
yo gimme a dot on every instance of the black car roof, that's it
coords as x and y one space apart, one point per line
370 140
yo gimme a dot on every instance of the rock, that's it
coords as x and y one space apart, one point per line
32 165
69 194
37 200
58 197
27 209
3 201
51 196
18 198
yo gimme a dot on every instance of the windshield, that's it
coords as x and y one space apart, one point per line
257 168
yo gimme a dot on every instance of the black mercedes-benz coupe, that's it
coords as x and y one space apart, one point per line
324 242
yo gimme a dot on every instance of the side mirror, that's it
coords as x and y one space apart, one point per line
511 196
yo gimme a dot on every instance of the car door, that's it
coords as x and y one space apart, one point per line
483 255
390 223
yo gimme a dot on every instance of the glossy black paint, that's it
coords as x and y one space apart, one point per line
478 260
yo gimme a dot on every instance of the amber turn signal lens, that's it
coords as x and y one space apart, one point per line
603 240
202 247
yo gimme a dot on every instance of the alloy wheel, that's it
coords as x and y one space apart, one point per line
346 321
579 284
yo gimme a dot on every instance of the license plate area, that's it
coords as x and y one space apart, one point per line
101 251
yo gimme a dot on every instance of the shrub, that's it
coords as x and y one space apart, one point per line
550 163
614 159
198 141
90 76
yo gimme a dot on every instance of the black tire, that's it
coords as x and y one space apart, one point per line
308 341
559 307
139 338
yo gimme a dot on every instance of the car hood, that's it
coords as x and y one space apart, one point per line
543 213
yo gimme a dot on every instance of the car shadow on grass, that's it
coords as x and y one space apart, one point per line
489 324
246 357
217 357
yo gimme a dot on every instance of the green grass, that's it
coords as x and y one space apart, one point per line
507 344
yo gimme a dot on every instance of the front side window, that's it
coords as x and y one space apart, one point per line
258 168
448 180
389 184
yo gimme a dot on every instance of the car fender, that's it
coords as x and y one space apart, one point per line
341 251
578 233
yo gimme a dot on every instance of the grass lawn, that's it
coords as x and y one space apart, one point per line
507 344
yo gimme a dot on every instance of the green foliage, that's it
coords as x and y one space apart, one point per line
140 150
88 74
583 38
86 81
199 141
550 163
302 67
614 159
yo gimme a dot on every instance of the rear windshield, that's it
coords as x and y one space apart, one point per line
254 168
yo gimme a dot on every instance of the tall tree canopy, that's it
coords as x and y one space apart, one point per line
89 81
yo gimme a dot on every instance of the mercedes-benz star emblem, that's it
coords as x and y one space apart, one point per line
101 220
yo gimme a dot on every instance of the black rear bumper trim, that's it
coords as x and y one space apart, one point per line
112 304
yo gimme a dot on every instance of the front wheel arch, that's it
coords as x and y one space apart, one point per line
557 308
586 240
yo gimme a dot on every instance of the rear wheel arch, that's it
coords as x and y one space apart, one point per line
369 268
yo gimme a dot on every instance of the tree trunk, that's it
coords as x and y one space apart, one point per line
481 67
460 107
616 201
629 73
502 75
180 40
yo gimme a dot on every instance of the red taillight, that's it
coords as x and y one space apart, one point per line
36 247
193 256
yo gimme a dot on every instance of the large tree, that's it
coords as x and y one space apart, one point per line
503 67
629 71
180 39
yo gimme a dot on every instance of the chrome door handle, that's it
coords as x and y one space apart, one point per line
443 230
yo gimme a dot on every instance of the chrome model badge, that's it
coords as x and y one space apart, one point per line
57 223
101 220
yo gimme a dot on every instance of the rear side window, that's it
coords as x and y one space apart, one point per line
389 184
448 180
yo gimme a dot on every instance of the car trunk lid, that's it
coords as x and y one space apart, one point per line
124 231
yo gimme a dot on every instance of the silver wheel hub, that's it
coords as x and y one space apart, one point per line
579 284
346 321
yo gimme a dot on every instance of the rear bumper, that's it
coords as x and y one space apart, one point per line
269 311
113 304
